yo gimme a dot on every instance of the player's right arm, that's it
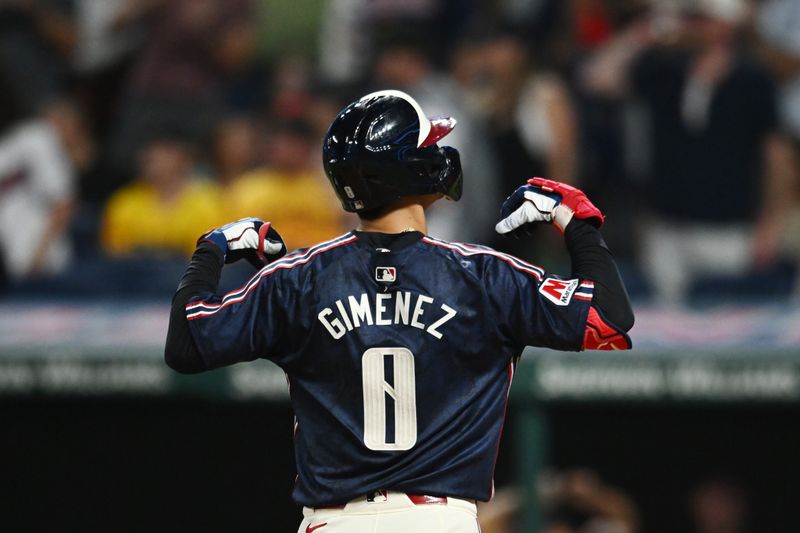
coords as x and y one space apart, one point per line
588 310
207 331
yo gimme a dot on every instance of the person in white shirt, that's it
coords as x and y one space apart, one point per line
36 198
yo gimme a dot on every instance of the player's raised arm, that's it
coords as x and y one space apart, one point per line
196 298
595 291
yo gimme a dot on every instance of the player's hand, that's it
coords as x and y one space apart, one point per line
249 238
548 201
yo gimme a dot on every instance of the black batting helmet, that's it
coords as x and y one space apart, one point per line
382 147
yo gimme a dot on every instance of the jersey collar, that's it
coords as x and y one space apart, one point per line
388 241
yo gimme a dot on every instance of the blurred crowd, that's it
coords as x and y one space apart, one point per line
130 127
579 501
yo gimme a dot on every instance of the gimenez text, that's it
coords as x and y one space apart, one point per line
386 309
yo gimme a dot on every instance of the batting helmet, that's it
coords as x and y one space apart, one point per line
382 147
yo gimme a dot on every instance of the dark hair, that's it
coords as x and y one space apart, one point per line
168 132
372 214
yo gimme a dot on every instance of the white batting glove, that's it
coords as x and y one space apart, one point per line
249 238
529 205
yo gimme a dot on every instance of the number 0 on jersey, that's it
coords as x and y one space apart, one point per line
389 393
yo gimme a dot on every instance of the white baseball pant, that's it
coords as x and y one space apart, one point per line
392 512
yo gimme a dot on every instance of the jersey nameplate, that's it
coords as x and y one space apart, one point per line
559 291
386 309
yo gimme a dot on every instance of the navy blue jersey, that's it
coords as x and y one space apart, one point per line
399 360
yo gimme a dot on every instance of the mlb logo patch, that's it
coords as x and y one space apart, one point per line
559 291
385 274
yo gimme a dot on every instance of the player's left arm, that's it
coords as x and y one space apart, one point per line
226 334
609 315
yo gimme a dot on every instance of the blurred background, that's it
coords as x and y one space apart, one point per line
130 127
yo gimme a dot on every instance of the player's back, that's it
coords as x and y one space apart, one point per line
399 369
399 351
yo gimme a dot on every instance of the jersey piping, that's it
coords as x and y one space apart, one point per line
201 309
469 249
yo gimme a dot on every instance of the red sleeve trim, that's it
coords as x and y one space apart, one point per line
600 335
201 308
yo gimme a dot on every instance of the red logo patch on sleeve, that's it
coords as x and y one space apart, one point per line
559 291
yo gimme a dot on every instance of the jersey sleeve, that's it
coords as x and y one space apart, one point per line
243 325
540 309
544 310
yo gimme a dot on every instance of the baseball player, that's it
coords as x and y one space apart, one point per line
399 348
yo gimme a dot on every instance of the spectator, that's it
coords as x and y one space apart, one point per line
291 88
108 30
577 501
326 102
108 33
289 191
36 197
343 41
718 506
531 123
195 47
531 117
234 149
606 162
778 27
36 43
70 123
573 501
351 28
195 43
714 144
503 513
402 64
789 228
164 211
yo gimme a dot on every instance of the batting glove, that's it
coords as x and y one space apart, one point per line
249 238
549 201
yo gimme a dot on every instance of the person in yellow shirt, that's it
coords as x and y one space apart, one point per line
165 210
290 191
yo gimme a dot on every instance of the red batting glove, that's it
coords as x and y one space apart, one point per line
572 198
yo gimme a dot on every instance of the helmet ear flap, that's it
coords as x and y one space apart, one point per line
451 178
